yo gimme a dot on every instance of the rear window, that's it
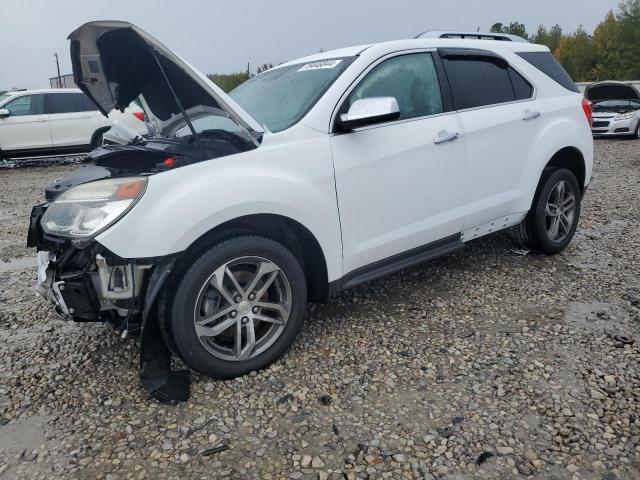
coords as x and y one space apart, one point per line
70 103
547 64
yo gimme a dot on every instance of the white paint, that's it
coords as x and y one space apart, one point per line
396 189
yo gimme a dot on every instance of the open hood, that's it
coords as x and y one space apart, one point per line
116 62
611 91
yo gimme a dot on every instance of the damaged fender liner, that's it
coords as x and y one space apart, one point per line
156 375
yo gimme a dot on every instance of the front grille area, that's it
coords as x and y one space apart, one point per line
600 124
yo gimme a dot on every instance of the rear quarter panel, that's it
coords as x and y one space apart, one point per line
564 124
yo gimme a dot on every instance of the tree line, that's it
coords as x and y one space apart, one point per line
611 52
229 81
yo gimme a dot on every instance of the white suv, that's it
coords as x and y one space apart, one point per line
38 122
313 177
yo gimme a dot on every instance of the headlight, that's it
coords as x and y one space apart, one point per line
625 116
88 209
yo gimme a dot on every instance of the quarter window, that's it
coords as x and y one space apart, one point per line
521 88
26 105
70 103
413 81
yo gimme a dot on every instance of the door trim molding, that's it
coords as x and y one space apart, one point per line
396 262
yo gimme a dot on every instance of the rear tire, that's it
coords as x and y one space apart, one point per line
555 212
248 288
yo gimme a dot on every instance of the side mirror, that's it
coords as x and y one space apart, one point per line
4 113
369 111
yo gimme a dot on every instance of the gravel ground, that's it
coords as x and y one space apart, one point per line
485 364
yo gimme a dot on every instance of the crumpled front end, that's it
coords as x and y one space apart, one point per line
87 283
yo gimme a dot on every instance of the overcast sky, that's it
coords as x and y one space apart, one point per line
221 37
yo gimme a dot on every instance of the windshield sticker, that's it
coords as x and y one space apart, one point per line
319 65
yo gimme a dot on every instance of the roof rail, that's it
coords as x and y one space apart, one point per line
505 37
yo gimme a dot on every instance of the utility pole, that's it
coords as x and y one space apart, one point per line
58 67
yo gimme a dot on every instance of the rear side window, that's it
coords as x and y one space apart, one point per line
476 82
70 103
26 105
547 64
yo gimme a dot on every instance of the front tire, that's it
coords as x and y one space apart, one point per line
552 221
238 308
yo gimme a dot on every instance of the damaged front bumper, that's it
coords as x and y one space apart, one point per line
92 290
88 283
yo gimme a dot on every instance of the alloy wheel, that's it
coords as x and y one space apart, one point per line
242 308
560 211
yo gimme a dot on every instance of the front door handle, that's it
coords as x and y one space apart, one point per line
530 115
445 136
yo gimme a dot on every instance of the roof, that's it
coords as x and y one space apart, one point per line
44 90
517 46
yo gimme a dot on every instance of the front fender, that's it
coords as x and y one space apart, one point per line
293 179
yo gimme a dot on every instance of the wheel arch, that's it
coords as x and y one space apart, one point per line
570 158
284 230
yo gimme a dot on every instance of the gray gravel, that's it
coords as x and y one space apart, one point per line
486 364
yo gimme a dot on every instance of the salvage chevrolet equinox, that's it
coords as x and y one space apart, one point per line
211 234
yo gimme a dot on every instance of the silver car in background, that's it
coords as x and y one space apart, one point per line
616 109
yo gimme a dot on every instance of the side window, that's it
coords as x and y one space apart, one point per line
26 105
476 81
69 103
521 87
413 81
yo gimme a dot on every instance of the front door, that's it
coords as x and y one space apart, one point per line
27 126
401 184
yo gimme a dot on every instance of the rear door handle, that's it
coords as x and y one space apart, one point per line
530 115
445 136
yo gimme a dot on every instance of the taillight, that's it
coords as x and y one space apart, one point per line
139 116
587 106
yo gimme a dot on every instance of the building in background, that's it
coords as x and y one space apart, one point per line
65 81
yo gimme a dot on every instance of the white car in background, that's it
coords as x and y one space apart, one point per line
616 109
38 122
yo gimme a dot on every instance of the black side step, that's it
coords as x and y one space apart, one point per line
401 261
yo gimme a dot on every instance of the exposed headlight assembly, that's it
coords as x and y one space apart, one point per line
625 116
88 209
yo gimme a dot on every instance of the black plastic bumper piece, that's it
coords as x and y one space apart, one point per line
156 376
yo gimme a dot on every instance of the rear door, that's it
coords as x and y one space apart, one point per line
74 119
500 119
27 126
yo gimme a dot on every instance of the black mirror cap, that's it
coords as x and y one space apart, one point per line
349 125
